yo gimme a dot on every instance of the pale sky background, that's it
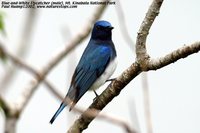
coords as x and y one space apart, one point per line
174 90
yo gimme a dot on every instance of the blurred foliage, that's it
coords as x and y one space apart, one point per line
2 25
2 30
2 54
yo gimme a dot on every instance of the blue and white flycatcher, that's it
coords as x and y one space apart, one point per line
96 65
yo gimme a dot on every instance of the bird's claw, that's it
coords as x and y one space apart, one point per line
110 79
95 95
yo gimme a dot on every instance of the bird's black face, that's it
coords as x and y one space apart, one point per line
102 31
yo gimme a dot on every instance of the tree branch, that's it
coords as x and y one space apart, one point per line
10 116
4 106
142 64
142 56
146 101
145 87
172 57
141 52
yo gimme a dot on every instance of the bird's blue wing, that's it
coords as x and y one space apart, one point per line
91 66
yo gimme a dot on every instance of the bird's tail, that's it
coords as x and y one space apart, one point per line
62 106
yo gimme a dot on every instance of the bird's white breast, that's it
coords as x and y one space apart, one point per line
106 75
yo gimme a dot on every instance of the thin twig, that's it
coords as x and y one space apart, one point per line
146 98
11 116
123 28
22 46
4 106
134 115
10 125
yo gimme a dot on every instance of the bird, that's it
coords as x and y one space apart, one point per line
96 65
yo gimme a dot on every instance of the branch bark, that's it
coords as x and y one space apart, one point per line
141 53
172 57
11 116
10 125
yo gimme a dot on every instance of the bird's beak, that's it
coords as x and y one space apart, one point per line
111 27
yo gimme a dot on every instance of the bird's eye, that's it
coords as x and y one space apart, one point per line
98 27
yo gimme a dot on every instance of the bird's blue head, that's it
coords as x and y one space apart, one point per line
102 30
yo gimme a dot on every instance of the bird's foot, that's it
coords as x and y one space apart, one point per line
95 95
110 79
